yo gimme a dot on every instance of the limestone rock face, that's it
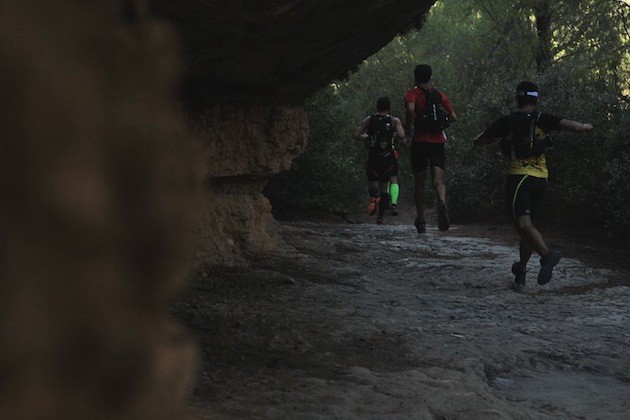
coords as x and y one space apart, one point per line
252 141
244 147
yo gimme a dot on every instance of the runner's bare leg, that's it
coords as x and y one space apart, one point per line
437 175
531 236
420 179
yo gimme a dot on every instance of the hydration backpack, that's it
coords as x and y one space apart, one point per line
525 139
381 132
435 118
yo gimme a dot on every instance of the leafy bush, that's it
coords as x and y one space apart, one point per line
329 176
479 52
617 197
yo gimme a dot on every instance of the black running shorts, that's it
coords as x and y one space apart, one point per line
380 168
525 195
423 153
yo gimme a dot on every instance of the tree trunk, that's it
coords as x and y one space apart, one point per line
543 15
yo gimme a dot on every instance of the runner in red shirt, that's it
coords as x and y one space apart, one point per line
428 141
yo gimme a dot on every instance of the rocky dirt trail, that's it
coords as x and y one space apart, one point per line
366 321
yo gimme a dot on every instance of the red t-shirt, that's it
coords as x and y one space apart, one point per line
416 96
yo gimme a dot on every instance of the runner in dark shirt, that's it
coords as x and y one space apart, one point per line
379 131
527 173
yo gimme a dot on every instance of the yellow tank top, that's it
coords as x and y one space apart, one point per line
534 166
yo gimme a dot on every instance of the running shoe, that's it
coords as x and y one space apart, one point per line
519 273
518 287
420 226
373 204
379 220
394 210
443 221
547 263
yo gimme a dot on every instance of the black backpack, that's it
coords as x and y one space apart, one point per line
523 142
381 132
435 118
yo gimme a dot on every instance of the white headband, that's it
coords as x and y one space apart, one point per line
529 93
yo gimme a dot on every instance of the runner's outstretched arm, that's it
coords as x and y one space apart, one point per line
483 139
361 129
574 126
410 114
400 131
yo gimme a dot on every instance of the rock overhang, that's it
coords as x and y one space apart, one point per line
279 51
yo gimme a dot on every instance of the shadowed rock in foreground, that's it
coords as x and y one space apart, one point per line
102 178
100 193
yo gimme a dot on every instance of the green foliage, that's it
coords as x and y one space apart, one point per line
579 164
328 175
479 51
616 192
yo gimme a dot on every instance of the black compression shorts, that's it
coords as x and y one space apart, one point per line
423 153
525 195
380 168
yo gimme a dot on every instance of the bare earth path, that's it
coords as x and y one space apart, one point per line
366 321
